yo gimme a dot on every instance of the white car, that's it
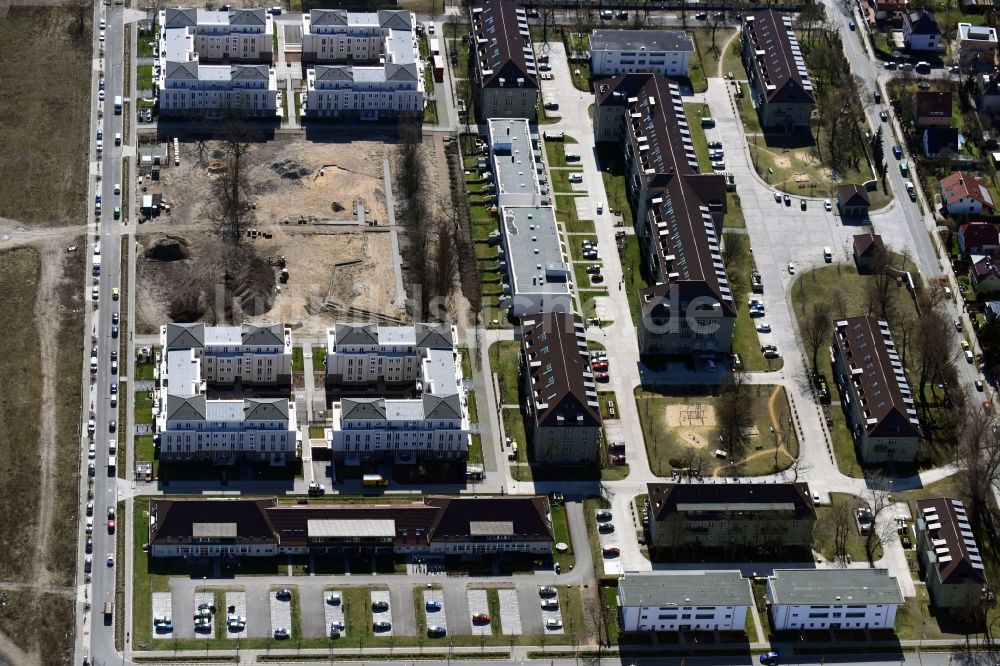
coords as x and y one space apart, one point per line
553 623
791 268
90 524
763 327
102 35
118 188
111 559
827 205
92 453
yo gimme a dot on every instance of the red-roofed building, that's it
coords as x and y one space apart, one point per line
887 8
932 108
985 275
962 194
978 238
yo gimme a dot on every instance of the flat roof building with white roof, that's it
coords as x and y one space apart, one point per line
664 52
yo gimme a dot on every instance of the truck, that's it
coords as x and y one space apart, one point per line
373 481
97 265
118 105
434 45
109 612
438 68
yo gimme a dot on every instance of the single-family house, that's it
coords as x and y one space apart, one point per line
937 139
978 238
984 274
889 8
963 194
866 247
988 93
932 108
921 31
852 201
948 552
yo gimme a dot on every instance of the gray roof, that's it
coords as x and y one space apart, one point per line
534 254
186 408
263 334
247 17
435 336
362 408
265 409
180 17
185 336
814 587
355 334
635 40
395 19
695 588
442 407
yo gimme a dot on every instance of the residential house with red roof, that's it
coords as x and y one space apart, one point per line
985 275
978 238
963 194
889 8
932 108
951 559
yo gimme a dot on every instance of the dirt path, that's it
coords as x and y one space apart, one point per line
725 49
782 447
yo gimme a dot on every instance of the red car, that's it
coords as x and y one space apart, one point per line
610 551
111 527
480 618
601 376
618 459
600 366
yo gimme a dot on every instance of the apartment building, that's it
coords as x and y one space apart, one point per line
563 415
436 525
251 354
196 428
949 554
875 393
690 309
801 599
683 601
735 516
780 88
188 88
664 52
535 263
505 73
366 65
427 415
237 35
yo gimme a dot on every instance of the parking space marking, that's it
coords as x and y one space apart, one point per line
479 604
334 612
510 612
161 608
237 601
613 564
382 616
281 613
435 617
549 615
199 599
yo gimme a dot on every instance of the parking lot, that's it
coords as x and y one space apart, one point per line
201 601
384 615
510 612
333 611
162 609
236 609
478 605
281 612
552 622
435 614
608 536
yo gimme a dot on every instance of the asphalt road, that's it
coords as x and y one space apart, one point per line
103 230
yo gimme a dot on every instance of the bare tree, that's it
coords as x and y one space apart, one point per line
798 467
932 347
979 457
734 247
734 414
232 213
879 290
817 329
877 499
842 519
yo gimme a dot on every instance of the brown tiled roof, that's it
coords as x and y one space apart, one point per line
962 184
525 518
174 521
700 497
852 195
412 520
977 235
876 378
779 60
866 244
951 540
558 365
984 269
932 104
503 45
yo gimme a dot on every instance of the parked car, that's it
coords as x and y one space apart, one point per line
602 376
433 605
283 594
606 528
763 327
547 590
550 604
791 268
380 606
828 205
480 618
610 551
333 598
436 631
883 116
788 200
281 633
553 623
603 514
769 659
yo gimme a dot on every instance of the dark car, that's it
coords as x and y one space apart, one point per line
769 659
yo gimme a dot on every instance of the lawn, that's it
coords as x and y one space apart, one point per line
732 61
674 431
319 359
561 530
580 73
745 340
146 42
567 214
824 531
297 365
633 272
694 112
43 181
143 407
612 166
555 153
144 77
544 118
505 359
561 183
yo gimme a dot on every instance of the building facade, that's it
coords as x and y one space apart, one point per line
921 31
982 238
874 390
780 88
436 525
800 599
977 46
563 414
762 517
651 601
251 354
948 552
505 73
427 415
238 35
963 194
690 309
366 65
664 52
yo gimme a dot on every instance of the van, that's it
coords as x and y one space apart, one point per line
878 97
708 122
922 66
600 207
969 358
720 454
827 255
373 480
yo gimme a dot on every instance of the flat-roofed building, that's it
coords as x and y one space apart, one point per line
802 599
683 601
564 417
949 554
504 70
516 163
690 309
876 394
780 88
614 52
761 517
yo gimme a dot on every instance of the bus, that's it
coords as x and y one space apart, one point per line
373 480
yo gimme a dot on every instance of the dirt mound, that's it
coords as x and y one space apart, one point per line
187 305
171 248
337 206
253 287
290 169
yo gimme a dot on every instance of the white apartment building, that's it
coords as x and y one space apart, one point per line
192 427
832 599
245 35
664 52
431 421
367 64
188 88
683 601
251 354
